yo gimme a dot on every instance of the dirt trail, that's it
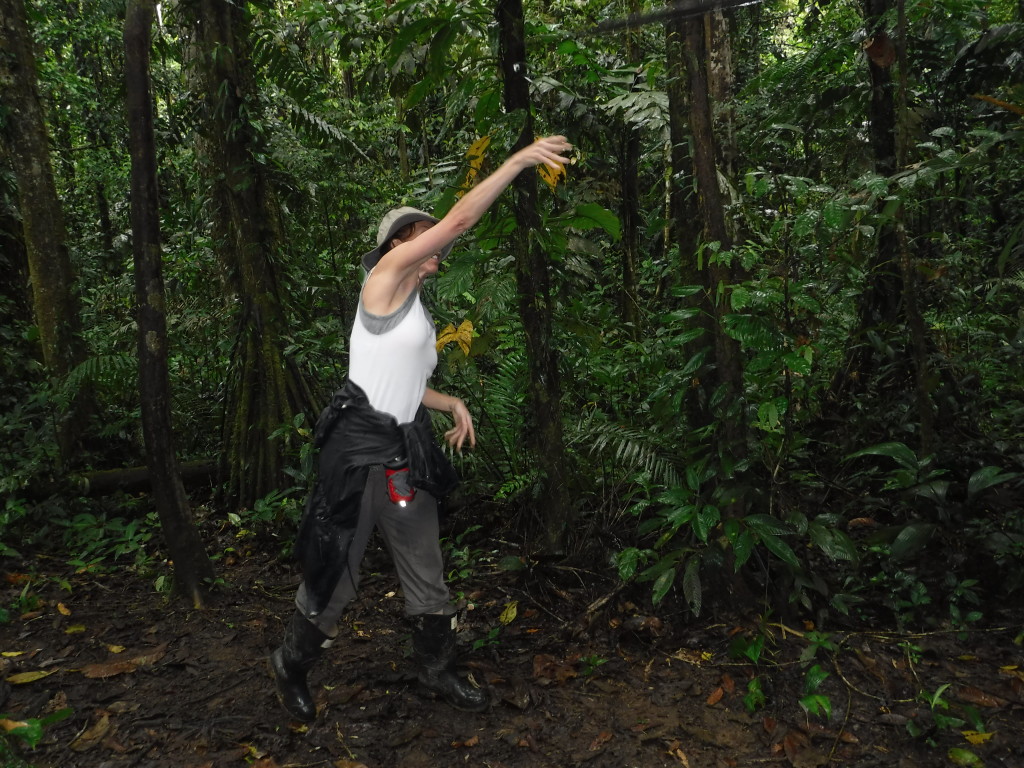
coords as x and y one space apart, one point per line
152 684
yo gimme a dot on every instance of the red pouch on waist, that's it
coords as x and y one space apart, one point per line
400 491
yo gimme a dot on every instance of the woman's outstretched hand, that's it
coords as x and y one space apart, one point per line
549 150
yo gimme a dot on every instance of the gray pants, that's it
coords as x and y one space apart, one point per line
412 537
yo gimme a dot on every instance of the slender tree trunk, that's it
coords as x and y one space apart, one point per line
535 300
191 564
908 266
629 207
267 388
717 277
880 302
55 305
685 216
629 211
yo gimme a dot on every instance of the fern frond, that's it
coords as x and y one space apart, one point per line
629 448
106 370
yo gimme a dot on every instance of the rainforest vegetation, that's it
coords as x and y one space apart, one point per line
756 355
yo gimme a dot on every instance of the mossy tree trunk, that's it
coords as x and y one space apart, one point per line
54 302
191 564
267 388
544 421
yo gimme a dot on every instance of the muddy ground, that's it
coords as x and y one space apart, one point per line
580 676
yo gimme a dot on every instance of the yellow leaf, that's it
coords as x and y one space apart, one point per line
63 609
74 629
10 725
475 155
445 336
463 336
115 648
551 176
509 614
12 654
977 737
29 677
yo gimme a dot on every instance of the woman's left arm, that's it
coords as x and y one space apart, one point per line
463 428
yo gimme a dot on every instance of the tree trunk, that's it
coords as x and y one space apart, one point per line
55 305
267 388
629 208
728 370
535 301
880 302
685 216
629 212
191 564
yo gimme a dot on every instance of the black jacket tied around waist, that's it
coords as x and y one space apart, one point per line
352 436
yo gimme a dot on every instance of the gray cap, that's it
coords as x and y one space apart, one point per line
393 221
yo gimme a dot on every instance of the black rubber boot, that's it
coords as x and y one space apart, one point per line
302 646
433 644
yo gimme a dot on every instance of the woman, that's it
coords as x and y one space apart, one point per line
379 465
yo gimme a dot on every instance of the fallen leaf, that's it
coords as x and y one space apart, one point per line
12 654
115 648
600 740
547 667
799 752
509 614
977 737
93 736
63 609
978 697
681 756
715 697
728 683
107 669
75 629
126 666
964 757
30 677
10 725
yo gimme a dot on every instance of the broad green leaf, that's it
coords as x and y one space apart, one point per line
706 519
898 451
592 214
743 546
766 525
911 540
663 585
781 550
986 477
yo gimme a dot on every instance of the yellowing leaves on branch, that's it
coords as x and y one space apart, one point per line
475 156
463 336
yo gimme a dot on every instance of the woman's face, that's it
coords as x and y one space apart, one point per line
431 265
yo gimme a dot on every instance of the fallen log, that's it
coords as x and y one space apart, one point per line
127 479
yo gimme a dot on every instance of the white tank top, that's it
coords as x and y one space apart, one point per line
392 356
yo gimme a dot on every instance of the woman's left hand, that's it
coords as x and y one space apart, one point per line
463 428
